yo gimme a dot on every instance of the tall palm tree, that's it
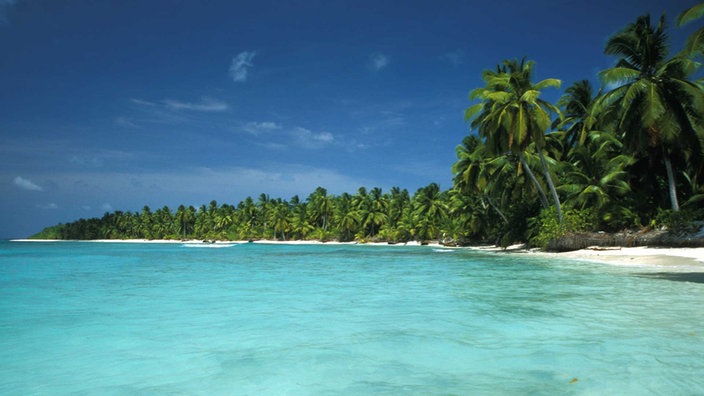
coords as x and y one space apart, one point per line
320 207
511 116
375 214
430 208
346 217
660 108
281 218
181 215
397 200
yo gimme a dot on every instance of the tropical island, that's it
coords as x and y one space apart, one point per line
619 165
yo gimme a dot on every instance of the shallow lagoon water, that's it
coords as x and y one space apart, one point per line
111 318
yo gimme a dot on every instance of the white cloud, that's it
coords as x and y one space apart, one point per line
378 61
324 137
308 139
49 206
256 128
106 207
205 105
240 65
26 184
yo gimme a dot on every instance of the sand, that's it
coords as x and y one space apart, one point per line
670 259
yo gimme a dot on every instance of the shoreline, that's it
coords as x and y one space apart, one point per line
665 259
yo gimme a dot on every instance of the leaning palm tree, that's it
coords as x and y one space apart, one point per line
511 116
660 108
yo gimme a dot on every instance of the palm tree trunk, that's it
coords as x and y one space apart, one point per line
496 208
541 192
671 184
553 191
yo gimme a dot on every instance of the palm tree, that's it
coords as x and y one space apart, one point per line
145 222
371 209
397 200
347 217
660 109
475 172
597 176
577 106
430 208
247 211
281 218
320 207
181 218
511 116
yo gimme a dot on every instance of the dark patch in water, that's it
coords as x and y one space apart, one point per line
695 277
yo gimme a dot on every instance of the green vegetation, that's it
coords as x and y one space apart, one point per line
629 156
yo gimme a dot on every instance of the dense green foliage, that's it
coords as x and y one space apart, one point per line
628 156
367 215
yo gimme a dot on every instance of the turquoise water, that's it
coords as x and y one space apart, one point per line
125 319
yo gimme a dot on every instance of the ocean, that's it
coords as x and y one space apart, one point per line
84 318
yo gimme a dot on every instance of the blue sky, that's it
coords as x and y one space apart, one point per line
113 105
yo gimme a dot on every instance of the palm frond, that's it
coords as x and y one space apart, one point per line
634 90
617 75
477 93
530 96
690 14
472 111
653 107
498 97
695 43
548 83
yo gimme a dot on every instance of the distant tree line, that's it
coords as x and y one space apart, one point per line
629 155
366 215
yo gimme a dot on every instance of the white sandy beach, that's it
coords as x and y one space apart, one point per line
691 259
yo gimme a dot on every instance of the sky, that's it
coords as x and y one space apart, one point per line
114 105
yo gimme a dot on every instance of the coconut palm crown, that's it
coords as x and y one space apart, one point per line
660 109
511 116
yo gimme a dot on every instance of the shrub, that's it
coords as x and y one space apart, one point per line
680 222
547 227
